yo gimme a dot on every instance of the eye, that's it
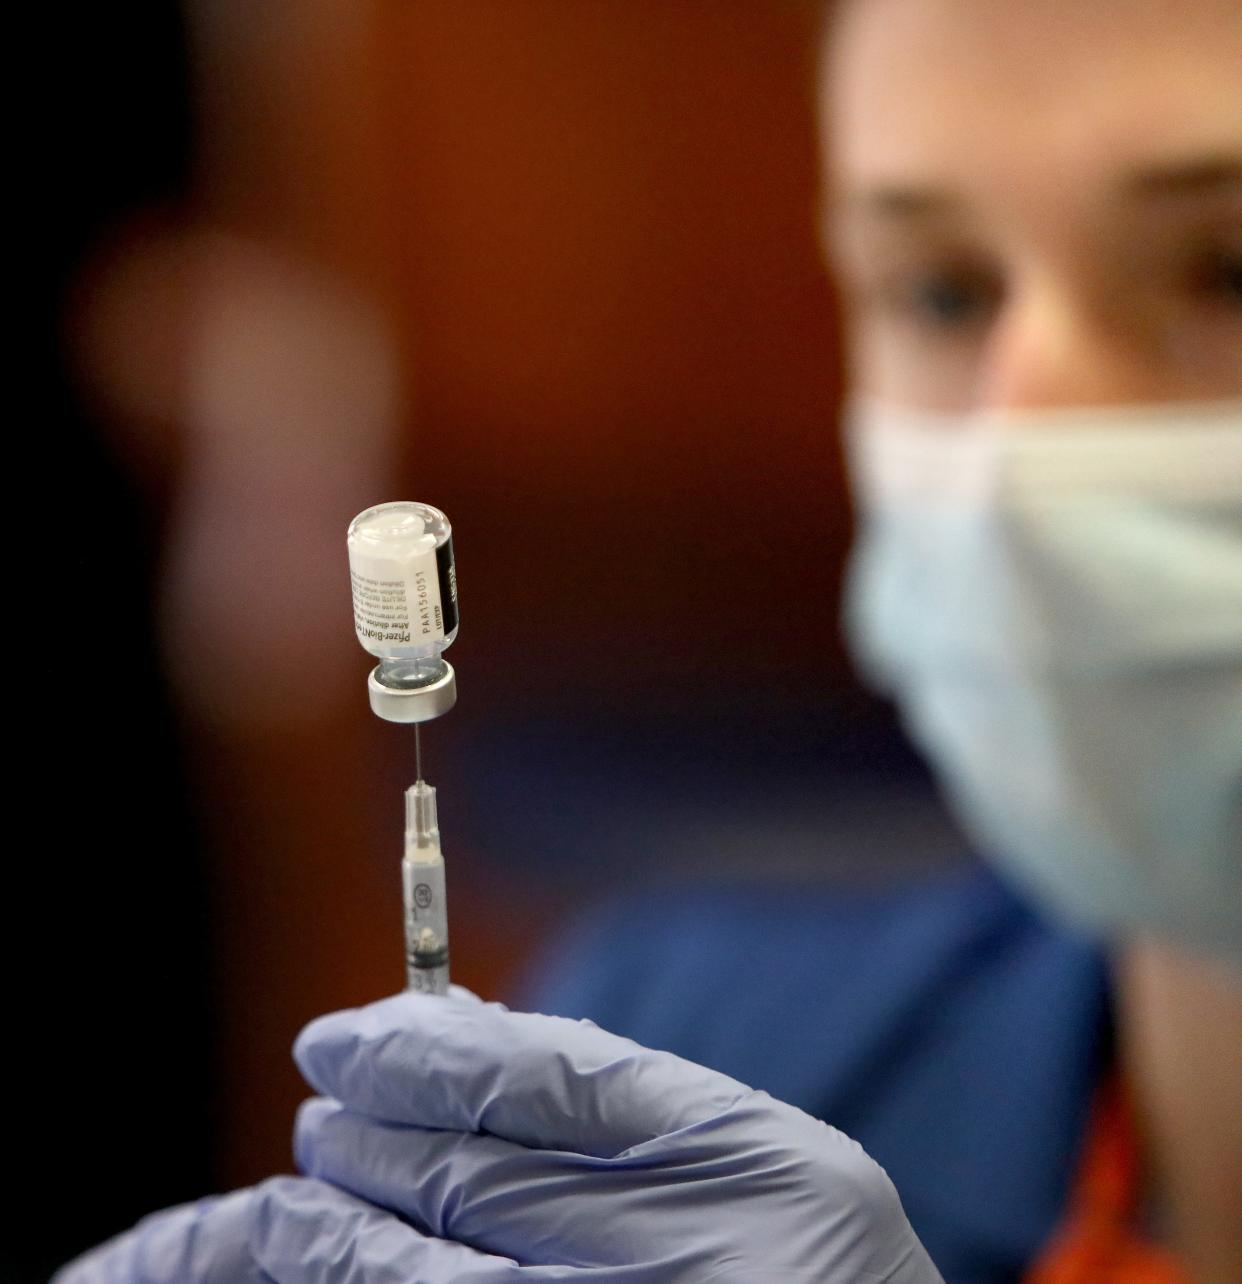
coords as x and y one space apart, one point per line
949 301
1219 276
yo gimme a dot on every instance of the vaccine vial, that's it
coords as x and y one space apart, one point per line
404 583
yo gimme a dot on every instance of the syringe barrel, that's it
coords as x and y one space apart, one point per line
426 926
422 880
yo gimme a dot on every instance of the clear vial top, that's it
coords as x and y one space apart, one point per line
398 530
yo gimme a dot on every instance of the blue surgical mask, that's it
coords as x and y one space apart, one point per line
1054 600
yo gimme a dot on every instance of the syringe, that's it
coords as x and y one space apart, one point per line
405 614
422 879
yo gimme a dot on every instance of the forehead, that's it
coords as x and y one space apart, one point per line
977 92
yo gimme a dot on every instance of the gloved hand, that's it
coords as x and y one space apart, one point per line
286 1227
289 1230
579 1155
206 1242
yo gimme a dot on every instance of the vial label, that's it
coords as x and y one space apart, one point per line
400 603
446 571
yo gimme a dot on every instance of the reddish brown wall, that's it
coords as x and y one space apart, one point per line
592 224
624 356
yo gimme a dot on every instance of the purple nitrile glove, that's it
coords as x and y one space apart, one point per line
556 1145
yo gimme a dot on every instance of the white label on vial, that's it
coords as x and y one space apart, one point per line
397 601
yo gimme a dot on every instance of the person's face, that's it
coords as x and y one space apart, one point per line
1038 203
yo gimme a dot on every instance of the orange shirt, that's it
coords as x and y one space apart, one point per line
1097 1242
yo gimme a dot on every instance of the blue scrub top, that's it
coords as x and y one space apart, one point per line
940 1022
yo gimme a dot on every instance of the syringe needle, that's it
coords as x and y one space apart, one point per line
418 753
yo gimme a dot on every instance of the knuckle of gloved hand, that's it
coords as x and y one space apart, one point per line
834 1164
314 1117
854 1182
538 1047
315 1056
296 1221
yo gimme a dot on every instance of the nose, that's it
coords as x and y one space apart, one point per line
1050 349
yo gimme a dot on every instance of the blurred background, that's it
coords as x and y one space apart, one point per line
552 267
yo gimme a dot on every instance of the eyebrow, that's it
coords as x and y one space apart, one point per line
895 201
1197 176
1192 177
